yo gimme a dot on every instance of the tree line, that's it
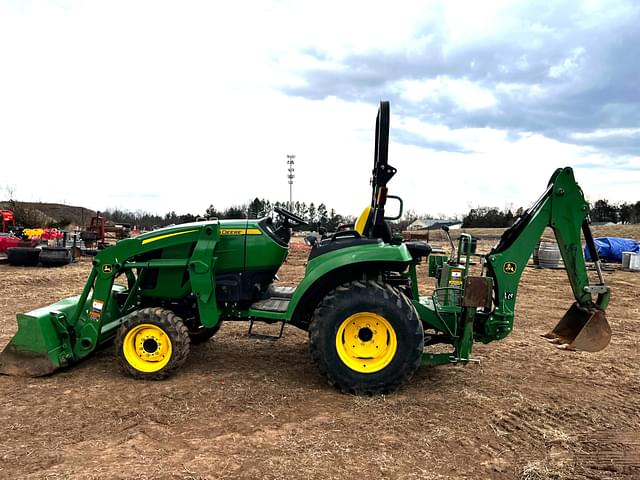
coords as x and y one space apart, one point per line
317 216
321 216
603 211
600 211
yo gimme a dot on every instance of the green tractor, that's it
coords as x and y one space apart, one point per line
368 326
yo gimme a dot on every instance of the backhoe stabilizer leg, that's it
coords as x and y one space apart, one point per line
581 328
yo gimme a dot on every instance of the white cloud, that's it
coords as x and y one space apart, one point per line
604 133
569 66
465 94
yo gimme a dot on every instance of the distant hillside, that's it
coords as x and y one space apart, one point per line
42 214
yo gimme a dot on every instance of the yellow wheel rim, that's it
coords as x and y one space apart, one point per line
147 348
366 342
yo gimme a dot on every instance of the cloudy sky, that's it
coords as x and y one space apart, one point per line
176 105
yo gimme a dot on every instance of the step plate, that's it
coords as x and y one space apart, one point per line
281 292
271 305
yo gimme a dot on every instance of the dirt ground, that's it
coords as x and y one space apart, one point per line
246 408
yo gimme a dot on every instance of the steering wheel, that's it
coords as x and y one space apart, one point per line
295 219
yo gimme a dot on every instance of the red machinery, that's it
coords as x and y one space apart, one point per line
102 232
7 219
7 241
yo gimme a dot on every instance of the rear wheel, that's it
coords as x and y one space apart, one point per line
366 338
152 344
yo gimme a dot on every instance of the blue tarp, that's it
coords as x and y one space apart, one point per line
610 248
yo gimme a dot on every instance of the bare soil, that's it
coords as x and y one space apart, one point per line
245 408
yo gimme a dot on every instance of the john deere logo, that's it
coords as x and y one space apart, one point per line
510 267
107 268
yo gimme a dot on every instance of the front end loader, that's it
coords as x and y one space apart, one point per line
155 294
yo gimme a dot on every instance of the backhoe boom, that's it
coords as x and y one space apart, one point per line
563 208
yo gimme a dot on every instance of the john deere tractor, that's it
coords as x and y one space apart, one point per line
368 326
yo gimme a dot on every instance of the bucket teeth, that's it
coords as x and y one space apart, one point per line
581 328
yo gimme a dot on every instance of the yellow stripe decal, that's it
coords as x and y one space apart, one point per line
168 235
240 231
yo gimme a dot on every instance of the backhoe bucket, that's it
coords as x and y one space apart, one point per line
581 328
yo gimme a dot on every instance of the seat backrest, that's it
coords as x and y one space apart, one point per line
364 226
363 219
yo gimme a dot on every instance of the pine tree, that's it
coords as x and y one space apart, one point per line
323 218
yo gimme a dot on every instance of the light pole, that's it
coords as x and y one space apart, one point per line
290 176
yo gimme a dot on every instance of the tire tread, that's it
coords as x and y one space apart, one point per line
321 321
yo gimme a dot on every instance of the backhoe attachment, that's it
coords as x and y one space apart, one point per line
563 208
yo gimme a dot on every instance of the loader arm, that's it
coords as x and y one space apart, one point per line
63 333
563 208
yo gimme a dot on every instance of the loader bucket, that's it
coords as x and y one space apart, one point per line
24 364
581 328
39 347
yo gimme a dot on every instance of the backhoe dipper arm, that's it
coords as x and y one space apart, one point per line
563 208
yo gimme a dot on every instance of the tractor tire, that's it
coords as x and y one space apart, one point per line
366 338
87 236
23 256
152 344
55 256
201 333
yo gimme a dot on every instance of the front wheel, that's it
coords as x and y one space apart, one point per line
152 344
366 338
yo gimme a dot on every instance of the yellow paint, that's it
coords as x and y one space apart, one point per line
240 231
147 348
33 232
366 342
510 267
362 220
168 235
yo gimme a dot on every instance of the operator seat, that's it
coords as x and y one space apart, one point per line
417 248
366 227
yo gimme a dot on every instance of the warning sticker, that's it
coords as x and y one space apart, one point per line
96 309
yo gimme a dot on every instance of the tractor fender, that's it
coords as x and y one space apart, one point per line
326 272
